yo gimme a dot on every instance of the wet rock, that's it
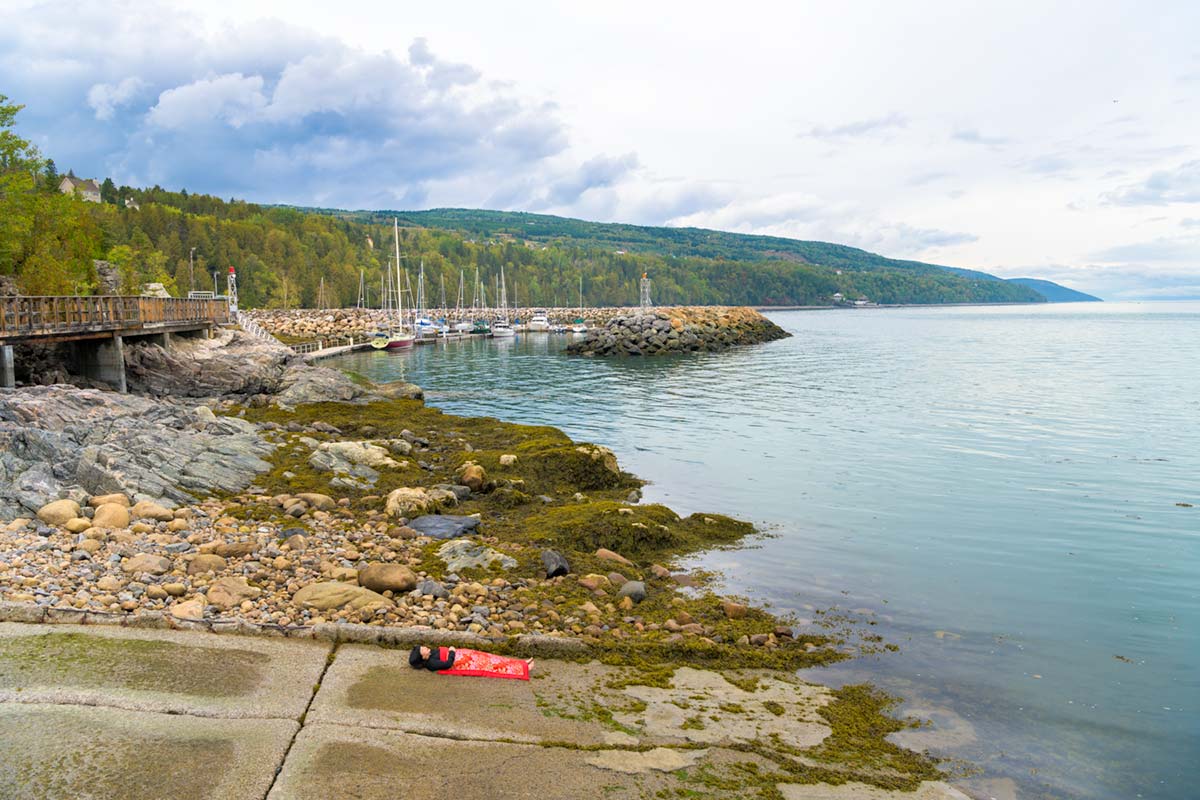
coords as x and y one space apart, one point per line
555 564
734 610
465 554
444 526
634 590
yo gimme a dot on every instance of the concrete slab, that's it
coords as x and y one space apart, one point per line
369 764
930 790
77 753
178 672
376 688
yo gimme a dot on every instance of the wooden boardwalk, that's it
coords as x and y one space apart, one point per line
62 319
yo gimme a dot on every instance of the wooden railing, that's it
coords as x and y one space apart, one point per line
33 317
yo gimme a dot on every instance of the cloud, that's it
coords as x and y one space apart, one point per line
1167 249
851 130
106 98
276 113
1164 187
973 136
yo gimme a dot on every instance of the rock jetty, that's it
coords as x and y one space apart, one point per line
677 330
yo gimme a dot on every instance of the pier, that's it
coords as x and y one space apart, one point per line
97 327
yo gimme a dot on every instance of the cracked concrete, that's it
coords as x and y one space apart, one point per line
110 712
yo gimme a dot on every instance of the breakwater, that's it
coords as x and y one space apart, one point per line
313 323
677 330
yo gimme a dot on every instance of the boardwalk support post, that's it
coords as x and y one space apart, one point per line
8 377
102 360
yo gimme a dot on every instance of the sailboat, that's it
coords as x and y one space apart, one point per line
396 338
423 326
579 325
501 327
479 307
461 324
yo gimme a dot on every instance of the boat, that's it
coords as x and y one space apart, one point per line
396 338
580 324
461 323
539 321
501 327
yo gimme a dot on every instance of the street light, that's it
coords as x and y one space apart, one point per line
192 268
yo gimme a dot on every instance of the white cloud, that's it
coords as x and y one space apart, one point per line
106 98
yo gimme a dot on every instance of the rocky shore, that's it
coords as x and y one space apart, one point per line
677 330
268 513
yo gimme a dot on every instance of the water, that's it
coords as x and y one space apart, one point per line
996 487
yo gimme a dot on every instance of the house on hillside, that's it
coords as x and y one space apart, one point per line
132 204
86 188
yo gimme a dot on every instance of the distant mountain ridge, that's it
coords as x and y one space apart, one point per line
697 243
1054 292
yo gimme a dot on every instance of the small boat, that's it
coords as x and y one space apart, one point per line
395 338
501 326
539 322
481 327
580 324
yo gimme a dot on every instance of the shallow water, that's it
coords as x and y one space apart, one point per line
996 487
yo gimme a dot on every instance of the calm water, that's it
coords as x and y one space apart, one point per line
998 488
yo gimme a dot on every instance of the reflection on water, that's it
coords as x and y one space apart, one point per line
998 487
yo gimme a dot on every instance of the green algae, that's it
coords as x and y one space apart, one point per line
81 660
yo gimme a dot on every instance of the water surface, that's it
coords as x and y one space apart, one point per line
998 488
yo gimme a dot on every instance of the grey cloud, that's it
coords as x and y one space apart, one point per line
1179 185
598 172
147 94
859 128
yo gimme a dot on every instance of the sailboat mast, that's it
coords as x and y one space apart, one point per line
399 300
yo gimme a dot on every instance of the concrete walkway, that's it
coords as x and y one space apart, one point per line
98 712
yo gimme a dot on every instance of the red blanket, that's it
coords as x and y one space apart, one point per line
484 665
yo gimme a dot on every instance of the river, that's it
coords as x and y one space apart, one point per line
1004 491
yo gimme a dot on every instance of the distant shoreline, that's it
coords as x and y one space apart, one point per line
899 305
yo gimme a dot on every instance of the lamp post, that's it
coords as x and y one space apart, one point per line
192 268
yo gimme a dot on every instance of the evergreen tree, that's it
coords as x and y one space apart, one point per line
108 192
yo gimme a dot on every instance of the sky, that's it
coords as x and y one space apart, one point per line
1028 139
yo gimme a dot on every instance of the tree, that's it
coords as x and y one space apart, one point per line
19 163
53 179
108 192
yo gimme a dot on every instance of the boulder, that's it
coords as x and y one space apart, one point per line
444 526
635 590
147 509
206 562
228 593
106 499
409 502
399 390
382 577
331 595
473 476
507 460
111 515
609 555
296 542
149 563
465 554
555 564
594 582
60 512
321 502
192 608
343 456
432 588
236 549
734 610
78 525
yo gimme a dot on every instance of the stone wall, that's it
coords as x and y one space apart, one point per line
677 330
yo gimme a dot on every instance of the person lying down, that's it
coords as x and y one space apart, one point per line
475 663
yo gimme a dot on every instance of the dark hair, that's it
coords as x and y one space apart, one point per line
415 660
